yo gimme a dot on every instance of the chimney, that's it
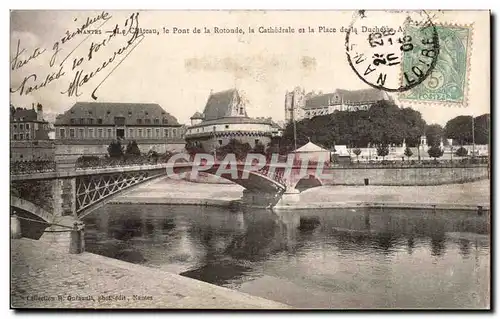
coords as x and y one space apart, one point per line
39 112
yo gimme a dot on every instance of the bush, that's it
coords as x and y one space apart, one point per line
115 149
462 152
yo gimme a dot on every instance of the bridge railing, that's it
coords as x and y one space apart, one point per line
26 167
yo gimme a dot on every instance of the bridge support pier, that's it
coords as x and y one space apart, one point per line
290 197
258 199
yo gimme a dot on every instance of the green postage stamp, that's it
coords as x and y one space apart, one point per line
448 82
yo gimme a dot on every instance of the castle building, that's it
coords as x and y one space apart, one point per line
225 118
91 123
29 135
28 124
299 105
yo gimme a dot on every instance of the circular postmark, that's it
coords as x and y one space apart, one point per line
392 50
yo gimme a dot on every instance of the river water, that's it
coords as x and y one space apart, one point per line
350 258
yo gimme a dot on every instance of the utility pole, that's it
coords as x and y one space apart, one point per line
473 139
294 124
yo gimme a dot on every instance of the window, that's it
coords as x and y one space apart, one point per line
165 121
129 113
139 121
82 121
62 133
256 141
72 121
220 142
81 133
91 132
99 133
99 121
90 121
149 133
147 121
241 111
174 132
27 126
157 121
72 132
21 136
27 136
131 132
15 136
21 126
36 126
165 132
90 112
108 112
15 126
157 132
227 126
139 133
109 133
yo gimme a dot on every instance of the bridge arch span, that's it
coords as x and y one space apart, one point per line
31 208
307 182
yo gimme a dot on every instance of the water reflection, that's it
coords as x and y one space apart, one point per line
330 251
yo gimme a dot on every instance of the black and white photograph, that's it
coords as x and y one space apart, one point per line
250 159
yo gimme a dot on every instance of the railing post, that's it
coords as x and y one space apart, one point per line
77 244
15 226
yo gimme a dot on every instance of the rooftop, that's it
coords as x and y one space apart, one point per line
108 111
347 97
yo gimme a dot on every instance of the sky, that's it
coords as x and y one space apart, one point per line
178 70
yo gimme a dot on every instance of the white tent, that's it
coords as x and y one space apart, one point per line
313 152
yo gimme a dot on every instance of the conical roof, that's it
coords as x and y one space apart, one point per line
310 147
197 116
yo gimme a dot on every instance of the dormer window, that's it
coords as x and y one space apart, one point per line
108 112
99 121
165 121
129 113
90 112
139 121
72 121
157 121
241 111
147 121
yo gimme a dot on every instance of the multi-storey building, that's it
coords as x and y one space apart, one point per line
28 124
89 123
29 135
299 105
225 118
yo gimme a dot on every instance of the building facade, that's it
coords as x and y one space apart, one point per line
225 118
28 124
29 135
299 105
96 125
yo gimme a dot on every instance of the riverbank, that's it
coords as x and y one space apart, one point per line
466 196
42 276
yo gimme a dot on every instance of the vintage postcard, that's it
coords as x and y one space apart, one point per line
250 159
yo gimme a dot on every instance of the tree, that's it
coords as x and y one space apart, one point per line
459 129
434 134
383 150
194 148
115 149
482 129
259 148
356 152
133 149
408 153
462 152
435 152
239 149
